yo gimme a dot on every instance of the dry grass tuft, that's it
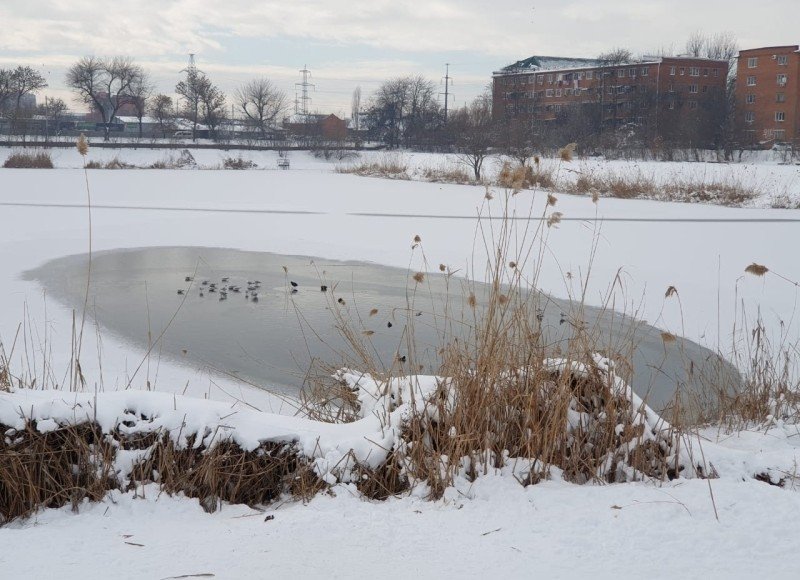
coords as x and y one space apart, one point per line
521 177
639 185
387 167
70 464
554 219
114 163
447 174
756 269
82 145
567 152
668 337
25 160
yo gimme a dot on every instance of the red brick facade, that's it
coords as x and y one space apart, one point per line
768 95
655 92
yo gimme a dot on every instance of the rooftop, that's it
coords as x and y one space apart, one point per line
554 63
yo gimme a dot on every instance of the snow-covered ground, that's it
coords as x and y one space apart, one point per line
492 527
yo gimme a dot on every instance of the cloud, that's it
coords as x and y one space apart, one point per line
153 27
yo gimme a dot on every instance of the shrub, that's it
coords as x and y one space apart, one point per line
447 174
238 163
388 167
114 163
24 160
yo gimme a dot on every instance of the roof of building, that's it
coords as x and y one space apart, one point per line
555 63
135 120
536 63
793 47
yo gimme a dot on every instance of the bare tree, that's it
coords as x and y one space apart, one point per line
404 111
203 101
355 108
721 46
609 83
695 44
140 91
104 84
20 82
53 111
5 87
262 103
213 106
161 108
473 133
191 91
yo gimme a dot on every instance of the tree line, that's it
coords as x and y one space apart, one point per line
106 85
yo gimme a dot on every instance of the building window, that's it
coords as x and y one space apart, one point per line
694 71
672 71
620 73
558 108
642 89
750 99
693 89
645 71
671 88
705 72
779 134
782 80
540 79
589 75
750 117
751 81
692 104
550 79
549 92
752 62
783 60
683 71
780 97
705 88
558 92
671 106
715 72
780 116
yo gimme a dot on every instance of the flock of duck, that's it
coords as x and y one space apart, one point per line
225 287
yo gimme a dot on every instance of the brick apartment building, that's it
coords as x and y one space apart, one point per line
664 94
768 95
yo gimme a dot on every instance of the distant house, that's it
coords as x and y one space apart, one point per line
127 106
131 124
325 127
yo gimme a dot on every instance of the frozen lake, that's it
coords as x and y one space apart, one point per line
270 342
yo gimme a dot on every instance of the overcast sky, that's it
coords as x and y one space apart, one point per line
346 43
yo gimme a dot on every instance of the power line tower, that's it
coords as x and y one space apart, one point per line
192 67
448 80
301 103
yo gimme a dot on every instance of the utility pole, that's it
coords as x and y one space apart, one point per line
301 107
447 81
